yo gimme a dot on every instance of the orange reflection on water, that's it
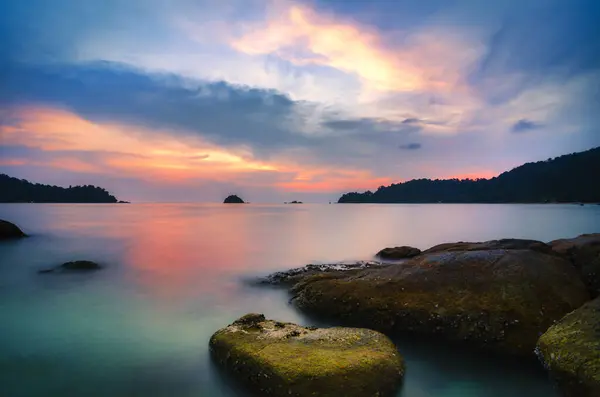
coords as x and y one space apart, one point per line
171 254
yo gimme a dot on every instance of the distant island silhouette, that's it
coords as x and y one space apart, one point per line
14 190
565 179
233 199
293 202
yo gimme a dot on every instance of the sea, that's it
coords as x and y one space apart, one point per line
173 274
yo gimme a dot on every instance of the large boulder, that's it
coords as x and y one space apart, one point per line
402 252
497 298
73 266
284 359
584 252
9 230
570 350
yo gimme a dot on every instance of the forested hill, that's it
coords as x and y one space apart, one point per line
569 178
14 190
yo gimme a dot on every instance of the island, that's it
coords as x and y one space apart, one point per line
566 179
293 202
233 199
14 190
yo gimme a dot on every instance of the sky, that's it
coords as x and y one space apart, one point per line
278 100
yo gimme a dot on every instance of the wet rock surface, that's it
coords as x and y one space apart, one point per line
570 350
502 244
496 295
284 359
73 266
584 252
10 231
402 252
334 270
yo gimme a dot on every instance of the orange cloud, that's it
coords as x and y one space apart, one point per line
483 174
324 181
13 162
79 145
425 61
123 148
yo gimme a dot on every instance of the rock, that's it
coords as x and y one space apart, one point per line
284 359
584 252
73 266
398 252
233 199
292 276
570 350
502 244
9 230
498 298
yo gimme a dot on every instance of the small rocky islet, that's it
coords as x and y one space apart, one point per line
233 199
511 296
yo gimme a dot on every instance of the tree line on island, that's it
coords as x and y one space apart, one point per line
14 190
569 178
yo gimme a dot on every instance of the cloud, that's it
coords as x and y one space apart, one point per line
426 59
411 146
287 93
369 125
525 125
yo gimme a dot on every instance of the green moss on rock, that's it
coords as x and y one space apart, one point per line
570 350
499 298
284 359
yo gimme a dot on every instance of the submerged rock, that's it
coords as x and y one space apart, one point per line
292 276
494 297
570 350
9 230
284 359
233 199
399 252
73 266
584 252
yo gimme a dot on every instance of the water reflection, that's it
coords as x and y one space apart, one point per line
141 326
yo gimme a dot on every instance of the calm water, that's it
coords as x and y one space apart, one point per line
174 275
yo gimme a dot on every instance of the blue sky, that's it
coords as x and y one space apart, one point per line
187 100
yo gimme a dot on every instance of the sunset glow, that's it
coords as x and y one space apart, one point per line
282 100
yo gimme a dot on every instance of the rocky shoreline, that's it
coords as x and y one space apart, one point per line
511 296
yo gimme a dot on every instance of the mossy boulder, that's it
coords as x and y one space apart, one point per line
584 252
9 231
402 252
499 299
284 359
73 266
570 350
233 199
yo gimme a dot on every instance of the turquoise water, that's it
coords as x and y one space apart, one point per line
174 274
